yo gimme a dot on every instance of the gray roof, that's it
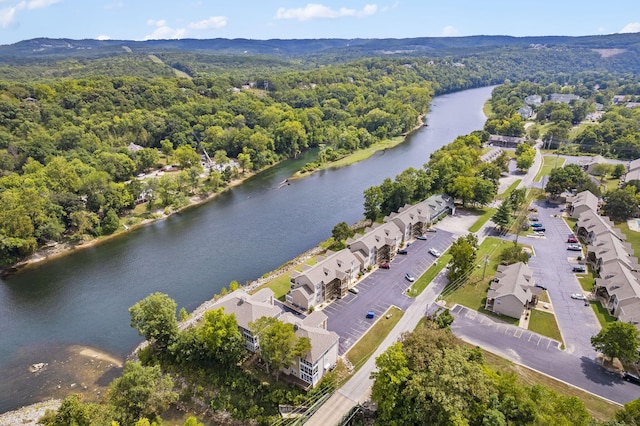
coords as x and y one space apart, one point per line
321 339
411 214
634 164
379 235
598 225
335 265
564 98
516 280
608 247
248 307
509 139
438 202
620 281
585 198
632 175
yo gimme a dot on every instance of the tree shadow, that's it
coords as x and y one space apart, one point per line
598 374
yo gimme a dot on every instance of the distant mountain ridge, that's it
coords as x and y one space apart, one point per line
47 48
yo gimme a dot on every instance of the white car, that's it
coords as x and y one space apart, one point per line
574 247
578 296
434 252
409 277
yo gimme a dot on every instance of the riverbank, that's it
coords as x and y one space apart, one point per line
55 251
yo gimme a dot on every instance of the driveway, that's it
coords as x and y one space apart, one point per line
542 354
551 267
382 288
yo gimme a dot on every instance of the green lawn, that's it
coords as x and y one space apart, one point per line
509 190
282 283
363 154
367 345
603 315
487 214
544 323
633 237
473 293
425 279
549 162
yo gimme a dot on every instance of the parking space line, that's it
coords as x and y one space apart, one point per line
518 333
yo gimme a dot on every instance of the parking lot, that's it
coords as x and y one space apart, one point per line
382 288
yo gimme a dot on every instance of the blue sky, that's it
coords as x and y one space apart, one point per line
266 19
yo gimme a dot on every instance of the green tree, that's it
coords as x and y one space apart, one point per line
341 232
110 222
186 156
630 414
517 197
620 205
389 381
71 412
147 158
155 318
618 171
372 201
279 344
617 340
221 337
502 217
141 392
463 258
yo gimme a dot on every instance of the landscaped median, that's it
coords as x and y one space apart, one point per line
421 283
369 342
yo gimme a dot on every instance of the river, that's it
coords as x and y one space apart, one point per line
82 300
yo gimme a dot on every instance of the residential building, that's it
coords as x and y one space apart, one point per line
440 205
328 279
248 308
608 248
582 202
525 112
591 225
619 288
412 220
512 290
324 347
535 100
377 245
491 155
563 98
505 141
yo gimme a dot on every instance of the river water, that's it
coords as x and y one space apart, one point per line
82 300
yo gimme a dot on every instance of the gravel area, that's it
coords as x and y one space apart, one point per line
28 415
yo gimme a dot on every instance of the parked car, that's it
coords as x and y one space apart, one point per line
578 296
385 266
533 218
536 225
409 277
574 247
371 314
540 286
421 237
579 268
403 251
539 233
432 230
543 230
434 252
354 290
572 240
631 378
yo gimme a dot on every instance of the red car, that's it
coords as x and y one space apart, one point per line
572 240
385 266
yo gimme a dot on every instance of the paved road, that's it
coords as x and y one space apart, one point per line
541 354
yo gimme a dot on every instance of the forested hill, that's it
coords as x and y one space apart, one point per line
50 48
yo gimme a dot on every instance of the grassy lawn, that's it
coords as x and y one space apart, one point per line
597 407
544 323
586 282
421 283
282 283
549 163
487 213
367 345
365 153
633 237
509 190
603 315
612 184
473 293
544 297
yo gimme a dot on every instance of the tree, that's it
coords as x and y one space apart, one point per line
221 337
147 158
341 232
517 198
279 344
110 222
372 202
186 156
502 216
463 258
620 204
617 340
389 381
141 392
618 171
71 412
155 318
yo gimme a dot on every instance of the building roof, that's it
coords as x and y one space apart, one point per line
632 175
620 281
533 100
634 164
508 139
133 147
411 214
608 247
598 225
438 203
379 235
585 198
334 265
564 98
321 339
248 307
516 280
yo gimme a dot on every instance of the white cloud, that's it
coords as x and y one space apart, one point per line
320 11
450 31
210 22
163 31
7 16
633 27
103 37
38 4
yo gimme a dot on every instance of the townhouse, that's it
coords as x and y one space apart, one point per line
512 290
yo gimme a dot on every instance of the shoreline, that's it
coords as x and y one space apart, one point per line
47 254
